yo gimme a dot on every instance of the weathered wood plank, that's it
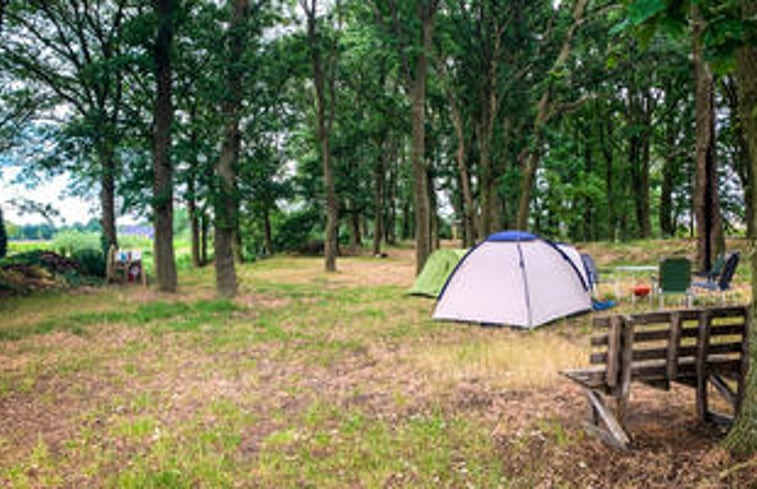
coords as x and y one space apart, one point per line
674 342
727 312
720 418
703 344
604 436
744 367
613 352
662 353
614 427
626 360
724 389
602 322
722 330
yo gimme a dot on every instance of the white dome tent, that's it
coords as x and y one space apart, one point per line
514 278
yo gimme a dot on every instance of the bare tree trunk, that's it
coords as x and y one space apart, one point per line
743 435
468 209
379 175
433 216
267 234
108 198
667 226
418 151
356 238
165 265
529 158
194 222
706 202
741 163
237 244
330 245
607 152
204 228
391 217
226 209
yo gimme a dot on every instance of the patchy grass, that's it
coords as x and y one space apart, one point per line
310 379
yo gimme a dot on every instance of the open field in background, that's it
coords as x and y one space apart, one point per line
310 379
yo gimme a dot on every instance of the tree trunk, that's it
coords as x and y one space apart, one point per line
468 209
204 228
237 243
379 175
194 220
741 161
433 216
607 153
356 238
330 243
226 208
418 150
267 234
108 199
165 265
391 217
667 226
743 435
706 202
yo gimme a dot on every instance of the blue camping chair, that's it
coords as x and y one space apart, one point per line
723 284
591 271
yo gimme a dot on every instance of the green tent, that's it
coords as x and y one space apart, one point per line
434 274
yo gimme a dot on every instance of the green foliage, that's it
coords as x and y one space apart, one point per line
91 262
296 229
70 242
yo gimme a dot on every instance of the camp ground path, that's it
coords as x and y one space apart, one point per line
309 379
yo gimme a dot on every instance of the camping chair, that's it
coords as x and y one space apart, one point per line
675 278
715 269
591 271
724 282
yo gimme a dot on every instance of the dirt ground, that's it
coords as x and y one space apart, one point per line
72 406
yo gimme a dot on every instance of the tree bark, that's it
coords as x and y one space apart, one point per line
204 228
706 202
379 176
194 222
267 234
226 208
330 244
741 163
743 436
667 226
418 151
108 198
468 208
165 265
237 244
391 217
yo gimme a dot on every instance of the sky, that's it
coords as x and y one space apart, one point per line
52 191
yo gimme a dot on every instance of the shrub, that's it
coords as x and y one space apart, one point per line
91 262
295 229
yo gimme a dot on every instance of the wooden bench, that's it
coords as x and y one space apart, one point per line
694 347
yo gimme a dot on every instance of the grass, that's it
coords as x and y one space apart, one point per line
306 379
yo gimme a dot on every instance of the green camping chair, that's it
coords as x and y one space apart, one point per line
675 278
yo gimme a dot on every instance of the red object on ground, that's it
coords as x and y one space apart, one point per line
641 290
